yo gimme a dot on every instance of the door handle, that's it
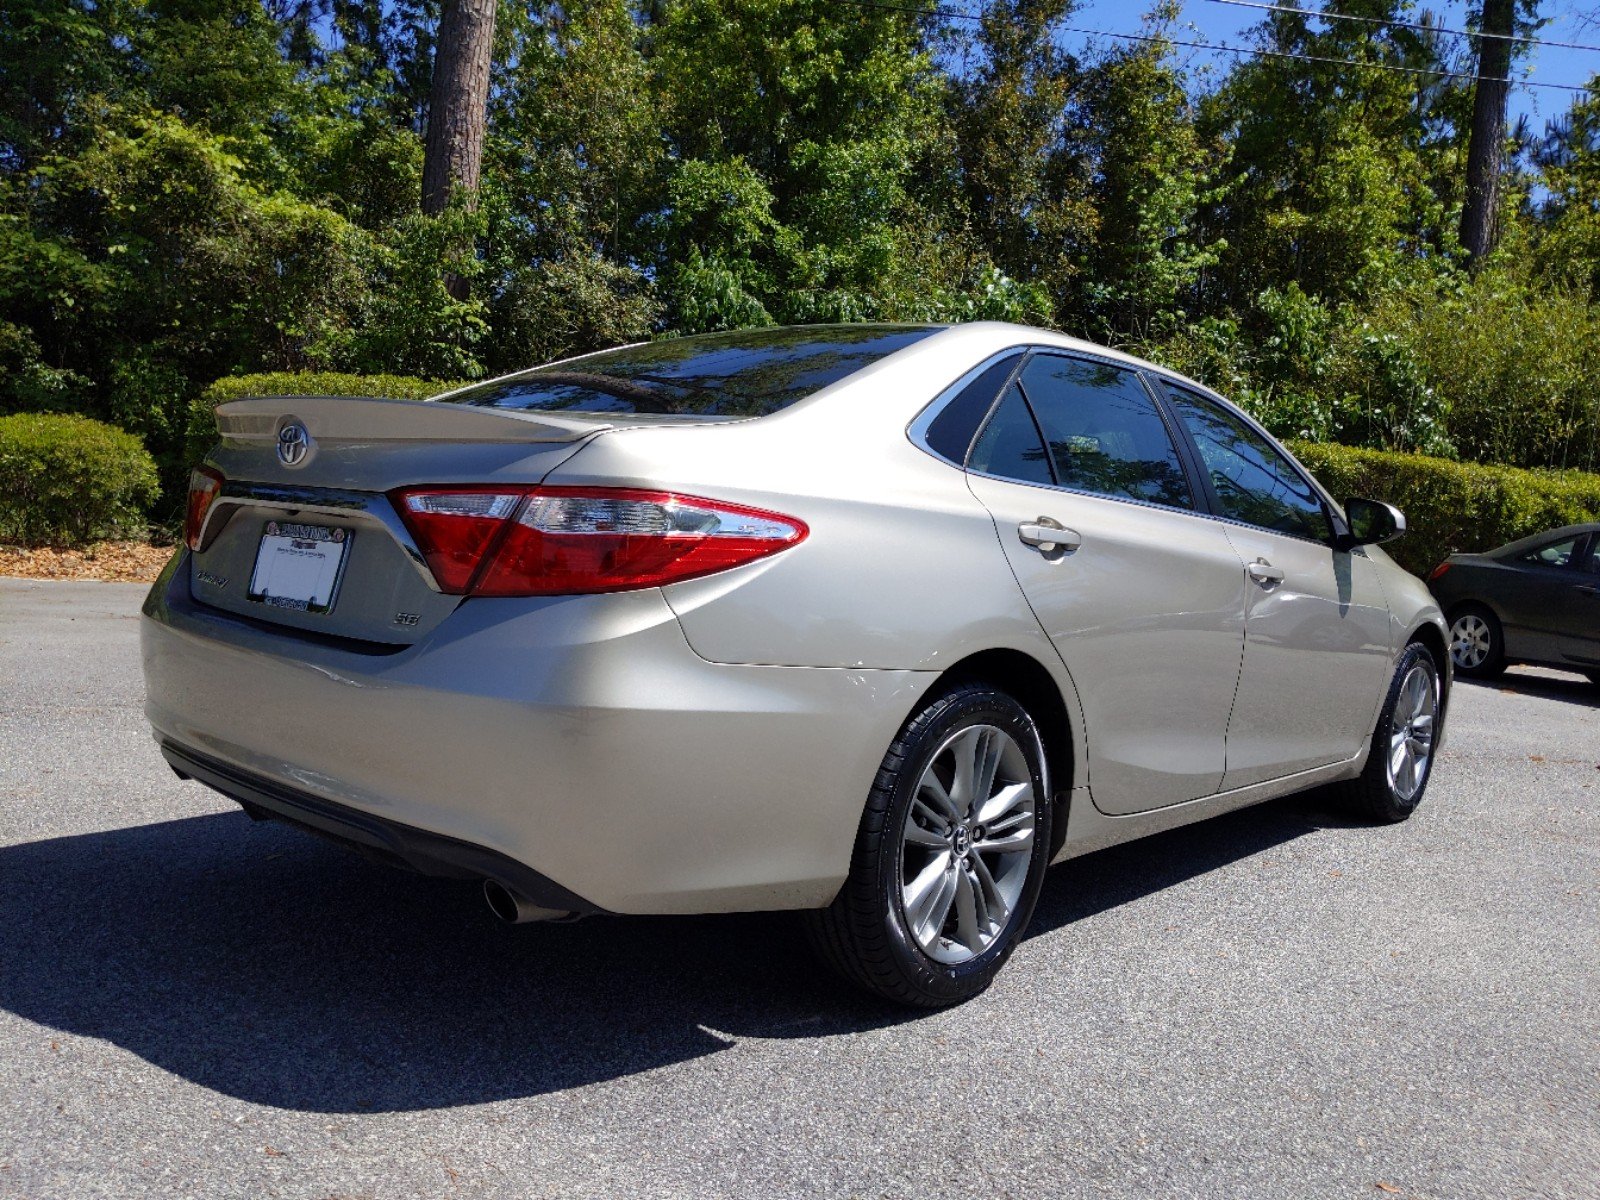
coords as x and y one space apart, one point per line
1584 587
1264 572
1049 535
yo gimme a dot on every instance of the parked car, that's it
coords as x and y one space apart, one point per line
875 621
1536 600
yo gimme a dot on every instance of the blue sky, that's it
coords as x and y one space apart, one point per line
1209 21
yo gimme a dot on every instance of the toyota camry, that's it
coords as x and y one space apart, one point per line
872 621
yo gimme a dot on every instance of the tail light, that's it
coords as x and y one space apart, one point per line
1438 571
554 541
205 485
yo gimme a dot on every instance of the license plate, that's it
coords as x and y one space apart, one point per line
298 566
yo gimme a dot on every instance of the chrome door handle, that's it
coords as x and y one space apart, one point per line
1584 587
1264 572
1049 536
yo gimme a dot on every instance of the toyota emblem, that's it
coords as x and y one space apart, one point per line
294 444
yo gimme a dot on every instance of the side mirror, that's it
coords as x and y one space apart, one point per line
1372 522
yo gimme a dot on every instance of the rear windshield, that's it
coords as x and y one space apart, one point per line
746 374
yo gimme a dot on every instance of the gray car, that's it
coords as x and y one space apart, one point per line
1535 600
875 621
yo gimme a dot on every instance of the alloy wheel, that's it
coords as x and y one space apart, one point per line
1411 729
967 842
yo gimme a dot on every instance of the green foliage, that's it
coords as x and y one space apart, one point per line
69 481
1495 369
190 191
1452 506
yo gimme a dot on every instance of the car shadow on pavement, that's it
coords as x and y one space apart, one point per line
268 966
1553 685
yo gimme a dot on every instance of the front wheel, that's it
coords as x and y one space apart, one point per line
1400 761
950 854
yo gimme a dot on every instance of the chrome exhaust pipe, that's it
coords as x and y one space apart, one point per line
515 908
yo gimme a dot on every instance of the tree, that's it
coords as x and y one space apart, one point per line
1150 174
458 103
1487 147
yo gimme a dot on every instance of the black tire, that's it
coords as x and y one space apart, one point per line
1373 793
864 935
1494 665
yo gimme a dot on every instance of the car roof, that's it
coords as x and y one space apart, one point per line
1004 334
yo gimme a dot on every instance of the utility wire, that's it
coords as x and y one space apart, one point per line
1326 15
1160 39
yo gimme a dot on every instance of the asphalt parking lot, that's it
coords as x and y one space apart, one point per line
1279 1003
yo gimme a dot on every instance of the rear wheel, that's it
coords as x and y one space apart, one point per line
1400 761
1477 646
950 854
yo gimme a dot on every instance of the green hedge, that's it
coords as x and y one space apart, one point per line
203 419
1452 506
70 481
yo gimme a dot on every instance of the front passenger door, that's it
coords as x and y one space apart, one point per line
1317 649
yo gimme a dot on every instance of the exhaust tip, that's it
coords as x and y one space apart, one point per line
514 908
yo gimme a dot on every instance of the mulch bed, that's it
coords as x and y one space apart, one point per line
109 562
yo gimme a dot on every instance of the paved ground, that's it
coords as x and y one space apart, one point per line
1277 1004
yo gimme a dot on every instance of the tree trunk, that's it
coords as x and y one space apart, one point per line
458 103
1487 145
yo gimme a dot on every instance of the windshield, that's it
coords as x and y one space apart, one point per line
746 374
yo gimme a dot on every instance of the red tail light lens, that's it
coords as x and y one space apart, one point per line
1438 571
205 485
454 528
561 541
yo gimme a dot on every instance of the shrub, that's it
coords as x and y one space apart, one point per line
69 480
1452 506
203 418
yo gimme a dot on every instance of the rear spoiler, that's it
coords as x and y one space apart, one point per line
377 419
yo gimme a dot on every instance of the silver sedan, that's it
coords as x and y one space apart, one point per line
876 621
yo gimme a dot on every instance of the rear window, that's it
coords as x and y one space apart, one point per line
746 374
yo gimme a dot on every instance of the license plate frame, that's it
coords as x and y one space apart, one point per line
299 567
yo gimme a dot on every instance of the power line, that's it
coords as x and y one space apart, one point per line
1161 39
1325 15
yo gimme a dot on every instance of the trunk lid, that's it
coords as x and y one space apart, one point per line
324 505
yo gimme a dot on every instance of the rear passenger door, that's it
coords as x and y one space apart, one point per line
1317 638
1142 595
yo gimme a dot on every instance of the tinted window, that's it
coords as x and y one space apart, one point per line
950 433
1104 431
1253 480
1556 554
746 374
1010 445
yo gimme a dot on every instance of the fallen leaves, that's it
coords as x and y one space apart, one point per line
109 562
1388 1187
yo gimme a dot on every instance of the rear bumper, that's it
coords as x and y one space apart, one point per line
580 739
378 837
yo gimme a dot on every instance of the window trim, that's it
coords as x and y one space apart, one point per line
1153 379
1338 523
1582 547
1199 507
917 429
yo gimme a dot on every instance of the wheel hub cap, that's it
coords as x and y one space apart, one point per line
1469 641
